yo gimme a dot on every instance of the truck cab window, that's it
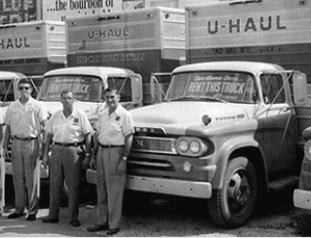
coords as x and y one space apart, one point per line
6 90
123 84
84 88
272 88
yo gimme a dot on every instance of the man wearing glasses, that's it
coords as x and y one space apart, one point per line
25 119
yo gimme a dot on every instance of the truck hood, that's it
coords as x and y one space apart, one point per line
176 117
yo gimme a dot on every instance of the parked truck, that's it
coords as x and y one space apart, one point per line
32 48
230 129
145 41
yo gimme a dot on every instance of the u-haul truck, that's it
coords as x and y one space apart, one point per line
229 131
31 49
145 41
258 30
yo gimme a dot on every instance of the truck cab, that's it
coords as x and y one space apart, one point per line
224 134
87 85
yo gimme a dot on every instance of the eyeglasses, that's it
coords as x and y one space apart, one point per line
23 88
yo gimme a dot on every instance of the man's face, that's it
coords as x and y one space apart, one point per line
24 89
112 99
67 100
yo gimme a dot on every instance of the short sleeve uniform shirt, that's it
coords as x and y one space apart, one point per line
24 120
113 129
71 129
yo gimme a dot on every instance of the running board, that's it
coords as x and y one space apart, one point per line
282 183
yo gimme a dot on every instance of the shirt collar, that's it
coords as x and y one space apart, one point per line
73 114
30 101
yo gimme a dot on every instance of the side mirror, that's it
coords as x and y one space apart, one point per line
137 90
300 89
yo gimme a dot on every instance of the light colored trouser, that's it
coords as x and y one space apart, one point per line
65 166
110 186
2 183
26 185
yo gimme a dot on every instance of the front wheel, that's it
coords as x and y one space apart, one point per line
232 205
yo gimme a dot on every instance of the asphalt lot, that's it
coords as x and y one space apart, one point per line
166 216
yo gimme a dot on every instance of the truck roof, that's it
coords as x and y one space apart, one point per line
11 75
90 70
243 66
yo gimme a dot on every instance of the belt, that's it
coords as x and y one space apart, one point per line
110 146
69 144
25 138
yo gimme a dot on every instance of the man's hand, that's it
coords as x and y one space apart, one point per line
86 161
5 153
122 166
93 162
45 161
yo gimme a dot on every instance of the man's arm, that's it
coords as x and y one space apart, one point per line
1 138
86 161
48 141
6 141
128 145
94 152
42 138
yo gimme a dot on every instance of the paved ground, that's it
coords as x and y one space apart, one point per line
169 216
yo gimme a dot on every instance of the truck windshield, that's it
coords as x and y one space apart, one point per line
220 86
84 88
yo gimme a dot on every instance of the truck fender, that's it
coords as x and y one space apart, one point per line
243 147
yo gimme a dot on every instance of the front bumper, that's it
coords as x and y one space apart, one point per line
302 199
162 185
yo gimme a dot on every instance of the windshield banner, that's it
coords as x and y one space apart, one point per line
225 87
79 86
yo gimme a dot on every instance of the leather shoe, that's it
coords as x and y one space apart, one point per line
31 217
97 228
75 223
15 215
50 220
112 232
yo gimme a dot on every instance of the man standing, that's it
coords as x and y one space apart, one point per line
112 146
24 121
70 129
2 162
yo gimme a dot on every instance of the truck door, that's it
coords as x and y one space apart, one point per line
278 124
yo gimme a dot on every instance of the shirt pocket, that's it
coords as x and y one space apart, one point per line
116 125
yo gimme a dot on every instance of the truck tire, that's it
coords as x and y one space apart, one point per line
232 205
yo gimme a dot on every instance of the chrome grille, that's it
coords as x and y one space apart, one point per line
154 145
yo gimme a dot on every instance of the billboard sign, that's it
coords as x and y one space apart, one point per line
60 9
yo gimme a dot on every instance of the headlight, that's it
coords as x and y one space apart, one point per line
183 145
195 147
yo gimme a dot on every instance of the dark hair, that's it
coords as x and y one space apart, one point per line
25 81
65 91
109 89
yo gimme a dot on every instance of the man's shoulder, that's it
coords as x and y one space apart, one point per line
13 104
122 109
79 112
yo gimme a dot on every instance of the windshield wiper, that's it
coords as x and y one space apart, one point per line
184 98
212 98
202 98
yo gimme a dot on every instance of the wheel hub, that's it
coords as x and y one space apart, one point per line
238 193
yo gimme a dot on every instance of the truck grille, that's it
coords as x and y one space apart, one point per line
154 145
